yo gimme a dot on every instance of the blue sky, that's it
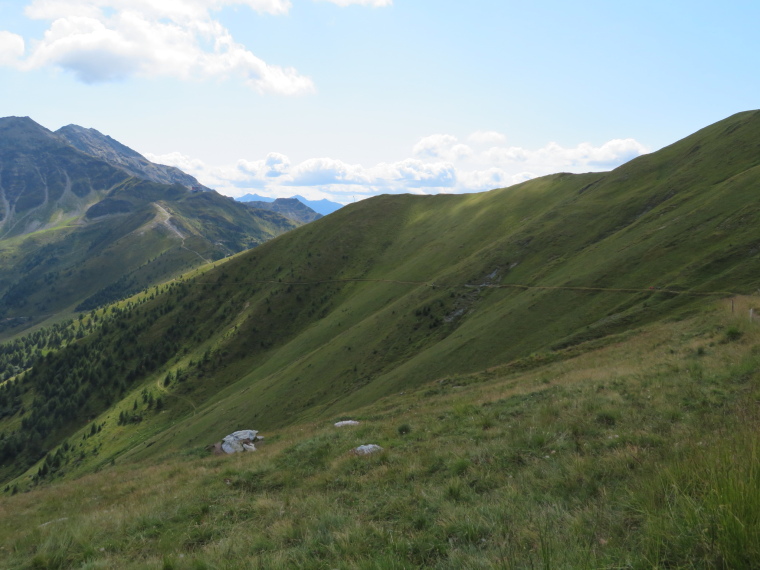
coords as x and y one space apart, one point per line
351 98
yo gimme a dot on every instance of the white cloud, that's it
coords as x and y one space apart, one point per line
434 145
615 152
108 40
11 48
553 157
181 161
501 155
428 172
550 158
485 179
414 173
445 147
276 164
522 177
320 171
460 152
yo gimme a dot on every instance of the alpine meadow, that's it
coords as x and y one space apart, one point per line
563 373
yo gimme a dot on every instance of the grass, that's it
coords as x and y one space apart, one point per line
49 272
636 454
395 292
570 422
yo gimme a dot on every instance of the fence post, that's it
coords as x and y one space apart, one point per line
751 316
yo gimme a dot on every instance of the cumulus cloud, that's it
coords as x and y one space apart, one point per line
445 147
320 171
554 157
276 164
11 48
477 180
500 155
406 174
273 166
414 173
437 166
181 161
615 152
434 145
110 40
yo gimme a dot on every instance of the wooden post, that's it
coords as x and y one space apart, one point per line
732 306
751 316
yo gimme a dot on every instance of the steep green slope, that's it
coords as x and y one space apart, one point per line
139 234
396 291
636 451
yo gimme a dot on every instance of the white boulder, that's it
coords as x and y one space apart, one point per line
367 449
240 441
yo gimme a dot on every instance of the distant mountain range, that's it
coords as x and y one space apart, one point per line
323 206
85 220
289 207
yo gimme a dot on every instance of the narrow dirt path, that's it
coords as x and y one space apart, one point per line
163 218
166 392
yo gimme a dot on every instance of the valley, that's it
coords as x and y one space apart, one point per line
88 221
556 372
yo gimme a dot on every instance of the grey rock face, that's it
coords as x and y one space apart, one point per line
94 143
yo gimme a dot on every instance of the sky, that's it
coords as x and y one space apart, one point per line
346 99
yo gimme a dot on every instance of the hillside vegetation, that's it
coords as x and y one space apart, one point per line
78 230
638 452
555 359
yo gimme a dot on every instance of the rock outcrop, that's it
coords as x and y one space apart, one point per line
240 441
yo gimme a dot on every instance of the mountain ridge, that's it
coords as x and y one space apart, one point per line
394 292
291 208
94 143
76 229
323 206
560 373
42 176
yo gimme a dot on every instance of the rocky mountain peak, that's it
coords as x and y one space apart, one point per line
107 149
22 133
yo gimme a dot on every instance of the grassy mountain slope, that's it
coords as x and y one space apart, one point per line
553 369
636 451
643 225
140 234
397 291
